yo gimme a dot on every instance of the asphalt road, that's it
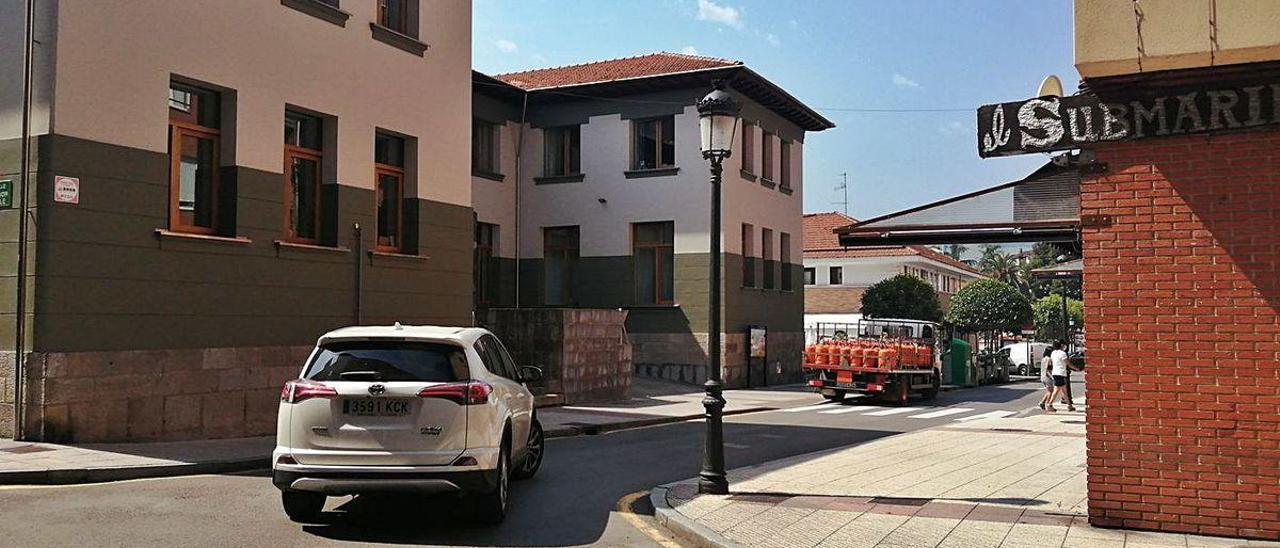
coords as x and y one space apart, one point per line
572 501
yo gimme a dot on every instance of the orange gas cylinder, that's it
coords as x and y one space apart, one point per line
870 355
811 353
820 354
888 357
855 354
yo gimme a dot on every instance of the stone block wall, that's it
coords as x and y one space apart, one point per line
584 353
6 394
155 395
682 357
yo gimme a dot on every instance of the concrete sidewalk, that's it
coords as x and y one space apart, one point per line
1006 482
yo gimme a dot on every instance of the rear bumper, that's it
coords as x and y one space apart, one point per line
353 482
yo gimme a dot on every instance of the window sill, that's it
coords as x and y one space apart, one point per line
559 179
767 182
396 255
319 10
488 175
748 175
397 40
165 233
786 190
655 172
285 244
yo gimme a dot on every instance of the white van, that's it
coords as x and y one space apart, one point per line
1026 356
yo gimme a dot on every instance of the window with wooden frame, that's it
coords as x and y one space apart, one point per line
654 143
485 270
766 256
485 137
394 14
388 167
784 178
562 151
784 259
766 156
653 256
835 275
748 147
302 165
748 255
559 259
194 139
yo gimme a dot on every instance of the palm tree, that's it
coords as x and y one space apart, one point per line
989 253
955 250
1003 267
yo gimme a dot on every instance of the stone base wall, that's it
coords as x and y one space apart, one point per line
584 353
682 357
7 406
158 395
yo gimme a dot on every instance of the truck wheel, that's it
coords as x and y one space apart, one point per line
932 392
836 396
900 393
302 507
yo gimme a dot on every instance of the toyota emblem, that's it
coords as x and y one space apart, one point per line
377 389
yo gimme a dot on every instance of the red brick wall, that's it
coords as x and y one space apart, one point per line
1182 298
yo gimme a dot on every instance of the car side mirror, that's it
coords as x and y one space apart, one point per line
529 373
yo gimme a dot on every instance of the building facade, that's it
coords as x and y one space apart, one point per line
835 277
199 176
590 191
1190 258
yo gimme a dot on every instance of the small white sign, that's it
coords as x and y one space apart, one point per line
66 190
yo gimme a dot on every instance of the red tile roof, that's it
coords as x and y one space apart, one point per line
653 64
821 242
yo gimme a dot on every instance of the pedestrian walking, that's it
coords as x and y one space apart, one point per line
1046 377
1059 372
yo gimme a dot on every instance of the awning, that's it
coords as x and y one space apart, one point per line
1070 270
1043 207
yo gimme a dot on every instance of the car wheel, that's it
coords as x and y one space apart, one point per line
1022 369
836 396
302 507
491 507
532 455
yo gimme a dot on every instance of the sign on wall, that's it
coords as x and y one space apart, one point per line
66 190
6 194
1062 123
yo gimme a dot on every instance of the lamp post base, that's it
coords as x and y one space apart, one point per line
713 480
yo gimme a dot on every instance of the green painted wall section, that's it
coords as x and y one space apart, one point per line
107 282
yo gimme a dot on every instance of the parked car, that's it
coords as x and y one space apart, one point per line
414 409
1026 356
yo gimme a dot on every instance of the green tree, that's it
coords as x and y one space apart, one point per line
955 251
902 296
988 254
987 305
1048 316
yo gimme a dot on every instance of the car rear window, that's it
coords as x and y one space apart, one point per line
388 361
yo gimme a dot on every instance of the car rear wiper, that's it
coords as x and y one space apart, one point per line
360 376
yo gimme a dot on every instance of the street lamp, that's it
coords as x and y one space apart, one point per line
717 122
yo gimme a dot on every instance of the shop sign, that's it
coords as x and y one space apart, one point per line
1062 123
6 194
66 190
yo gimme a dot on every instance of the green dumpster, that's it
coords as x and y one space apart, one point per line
958 363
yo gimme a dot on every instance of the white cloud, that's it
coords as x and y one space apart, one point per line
903 82
716 13
506 46
773 39
689 50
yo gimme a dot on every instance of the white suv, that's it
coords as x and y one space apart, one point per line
406 409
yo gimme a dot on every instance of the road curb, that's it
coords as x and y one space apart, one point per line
592 429
72 476
681 526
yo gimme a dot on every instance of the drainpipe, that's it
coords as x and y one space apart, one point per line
20 323
359 288
524 110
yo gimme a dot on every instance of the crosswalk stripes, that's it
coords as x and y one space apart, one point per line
891 411
942 413
807 408
990 415
842 410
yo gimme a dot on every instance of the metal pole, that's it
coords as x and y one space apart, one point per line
359 288
713 480
20 320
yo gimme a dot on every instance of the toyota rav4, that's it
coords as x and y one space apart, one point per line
412 409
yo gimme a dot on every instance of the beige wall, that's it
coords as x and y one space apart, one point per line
115 60
1175 34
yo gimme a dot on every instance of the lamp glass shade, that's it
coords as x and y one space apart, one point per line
718 132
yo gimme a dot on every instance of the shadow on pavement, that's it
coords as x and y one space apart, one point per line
570 501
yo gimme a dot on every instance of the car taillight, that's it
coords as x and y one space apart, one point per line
464 393
297 390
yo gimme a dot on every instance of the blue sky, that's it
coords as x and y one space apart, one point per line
831 54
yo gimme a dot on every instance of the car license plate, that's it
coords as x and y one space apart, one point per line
376 407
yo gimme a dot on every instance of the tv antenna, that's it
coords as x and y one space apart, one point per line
844 186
